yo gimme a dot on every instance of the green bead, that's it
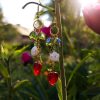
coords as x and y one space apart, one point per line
41 36
54 30
33 35
48 44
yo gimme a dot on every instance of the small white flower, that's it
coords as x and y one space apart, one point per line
34 51
54 56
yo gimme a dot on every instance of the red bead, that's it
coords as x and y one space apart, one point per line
52 78
37 69
91 15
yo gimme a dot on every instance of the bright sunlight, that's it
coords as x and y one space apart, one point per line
83 3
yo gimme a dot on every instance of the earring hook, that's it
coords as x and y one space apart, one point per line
49 8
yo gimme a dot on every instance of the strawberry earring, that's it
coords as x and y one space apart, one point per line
53 42
35 51
36 36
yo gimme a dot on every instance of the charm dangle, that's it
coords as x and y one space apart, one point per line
34 51
37 67
54 56
52 77
54 30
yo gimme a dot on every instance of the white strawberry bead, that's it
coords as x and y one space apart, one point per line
34 51
54 56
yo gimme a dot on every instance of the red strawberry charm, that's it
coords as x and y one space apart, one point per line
37 68
52 78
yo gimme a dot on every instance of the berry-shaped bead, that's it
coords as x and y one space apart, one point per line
37 68
52 78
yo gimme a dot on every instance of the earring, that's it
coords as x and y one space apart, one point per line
37 36
53 43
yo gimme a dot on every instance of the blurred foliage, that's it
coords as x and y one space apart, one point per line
8 32
81 61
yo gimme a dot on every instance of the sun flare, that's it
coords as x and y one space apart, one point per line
83 3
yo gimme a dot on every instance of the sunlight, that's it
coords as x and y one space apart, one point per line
13 12
83 3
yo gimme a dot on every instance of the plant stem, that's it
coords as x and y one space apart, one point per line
62 69
9 82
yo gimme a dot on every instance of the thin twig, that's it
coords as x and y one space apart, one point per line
62 69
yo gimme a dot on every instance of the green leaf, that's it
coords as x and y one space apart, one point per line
28 94
77 67
4 52
4 71
20 83
97 97
59 88
18 52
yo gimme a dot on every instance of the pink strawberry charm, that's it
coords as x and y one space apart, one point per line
52 78
37 68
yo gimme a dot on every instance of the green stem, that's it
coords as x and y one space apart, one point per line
9 83
62 69
69 40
